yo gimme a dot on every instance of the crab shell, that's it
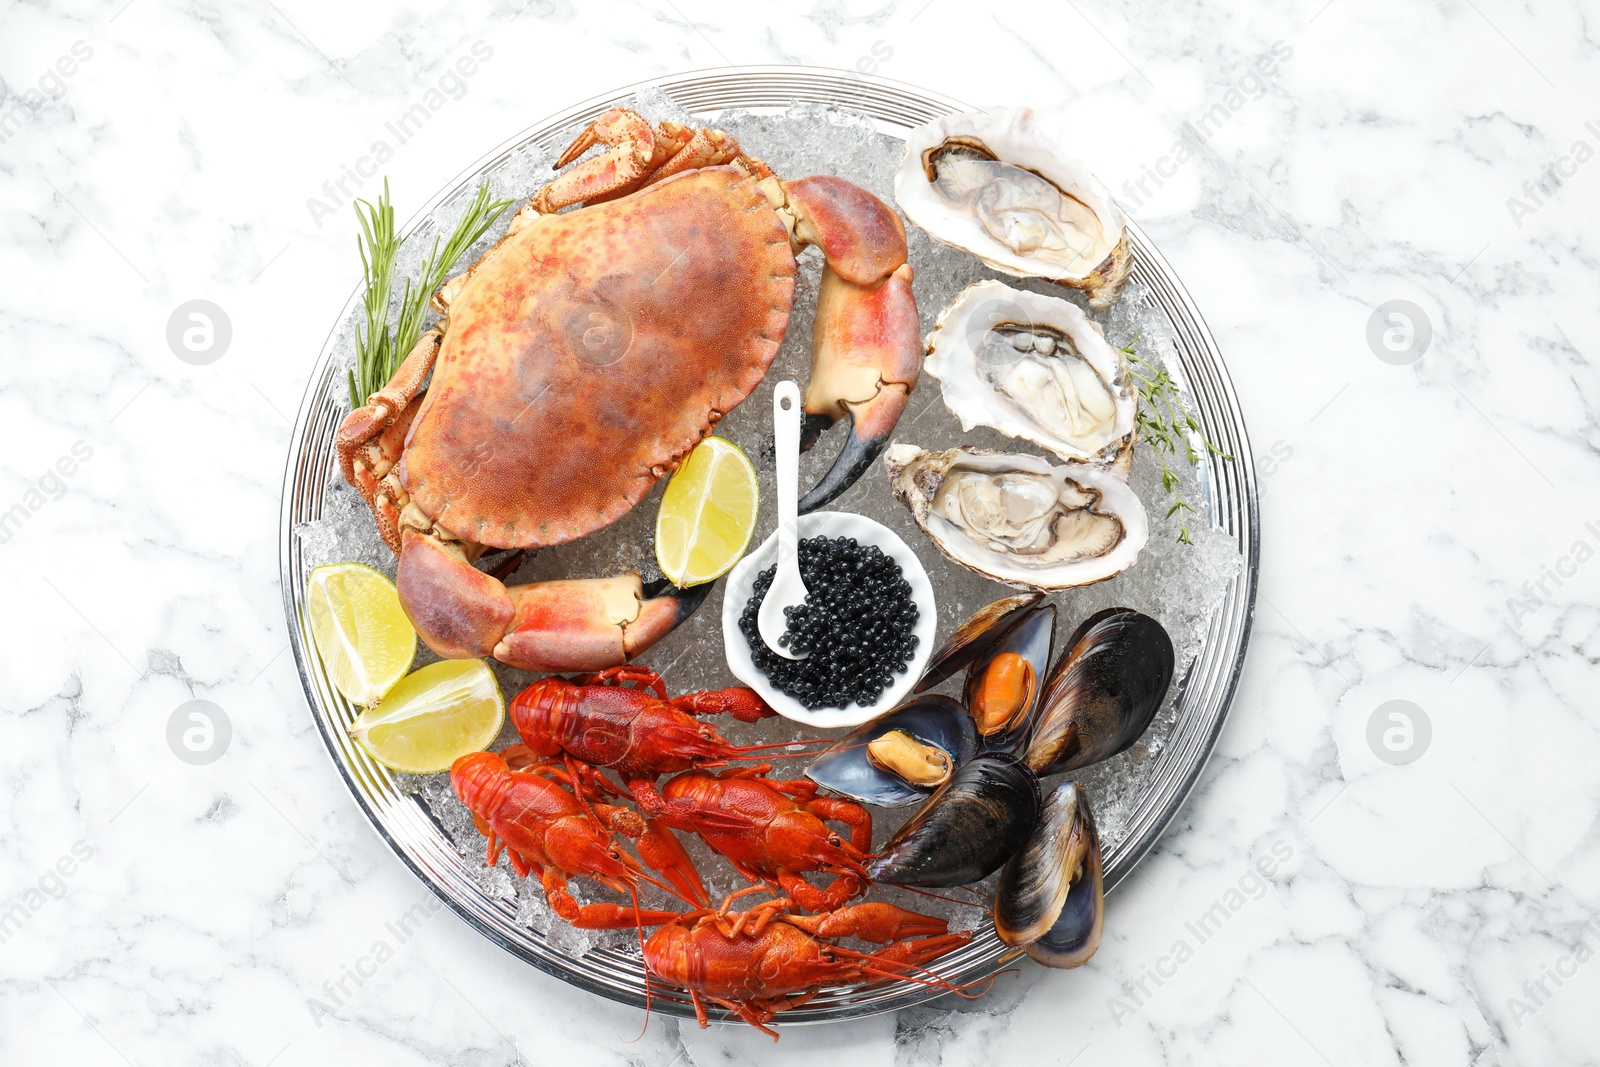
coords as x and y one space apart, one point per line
591 350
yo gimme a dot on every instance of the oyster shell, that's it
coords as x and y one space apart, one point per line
991 183
1033 367
1020 519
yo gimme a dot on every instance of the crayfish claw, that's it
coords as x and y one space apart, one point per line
660 848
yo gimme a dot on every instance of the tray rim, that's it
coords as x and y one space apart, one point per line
1134 847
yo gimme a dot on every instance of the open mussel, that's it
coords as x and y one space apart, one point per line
1107 686
1051 898
973 637
1004 684
1005 648
966 830
901 756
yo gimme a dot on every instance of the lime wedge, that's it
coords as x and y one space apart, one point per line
707 515
433 717
365 640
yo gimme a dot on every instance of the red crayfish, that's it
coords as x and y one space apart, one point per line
621 718
768 959
771 831
555 825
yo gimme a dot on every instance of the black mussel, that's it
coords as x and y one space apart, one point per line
1051 898
1102 694
902 755
966 830
1004 683
972 637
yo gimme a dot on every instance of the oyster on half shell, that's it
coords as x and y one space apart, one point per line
1033 367
1020 519
991 183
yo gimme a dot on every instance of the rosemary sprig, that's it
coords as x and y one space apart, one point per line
378 350
1165 421
375 358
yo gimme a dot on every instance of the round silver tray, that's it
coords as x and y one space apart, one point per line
403 821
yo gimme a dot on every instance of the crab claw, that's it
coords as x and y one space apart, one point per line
866 356
590 624
577 625
867 346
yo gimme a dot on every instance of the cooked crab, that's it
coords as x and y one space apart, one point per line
589 350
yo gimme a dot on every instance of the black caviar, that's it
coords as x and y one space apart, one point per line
855 624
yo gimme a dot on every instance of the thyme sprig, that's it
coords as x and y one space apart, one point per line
379 349
1165 421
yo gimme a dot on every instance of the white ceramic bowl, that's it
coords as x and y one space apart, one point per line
828 524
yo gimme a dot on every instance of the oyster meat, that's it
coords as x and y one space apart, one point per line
1033 367
1020 519
991 183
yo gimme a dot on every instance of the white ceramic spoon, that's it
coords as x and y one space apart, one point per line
788 588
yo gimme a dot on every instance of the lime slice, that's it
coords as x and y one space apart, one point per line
707 515
433 717
361 632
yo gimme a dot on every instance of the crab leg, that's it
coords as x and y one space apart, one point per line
701 148
609 174
372 438
867 344
641 154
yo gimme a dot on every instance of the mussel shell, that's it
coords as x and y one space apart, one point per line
969 827
1051 898
930 718
972 637
1030 637
1102 694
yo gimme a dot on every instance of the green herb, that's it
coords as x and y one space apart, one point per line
1165 422
378 349
375 359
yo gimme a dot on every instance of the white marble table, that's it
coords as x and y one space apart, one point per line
1428 524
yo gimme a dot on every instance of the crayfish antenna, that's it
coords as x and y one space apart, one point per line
767 757
782 745
638 927
878 964
980 901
